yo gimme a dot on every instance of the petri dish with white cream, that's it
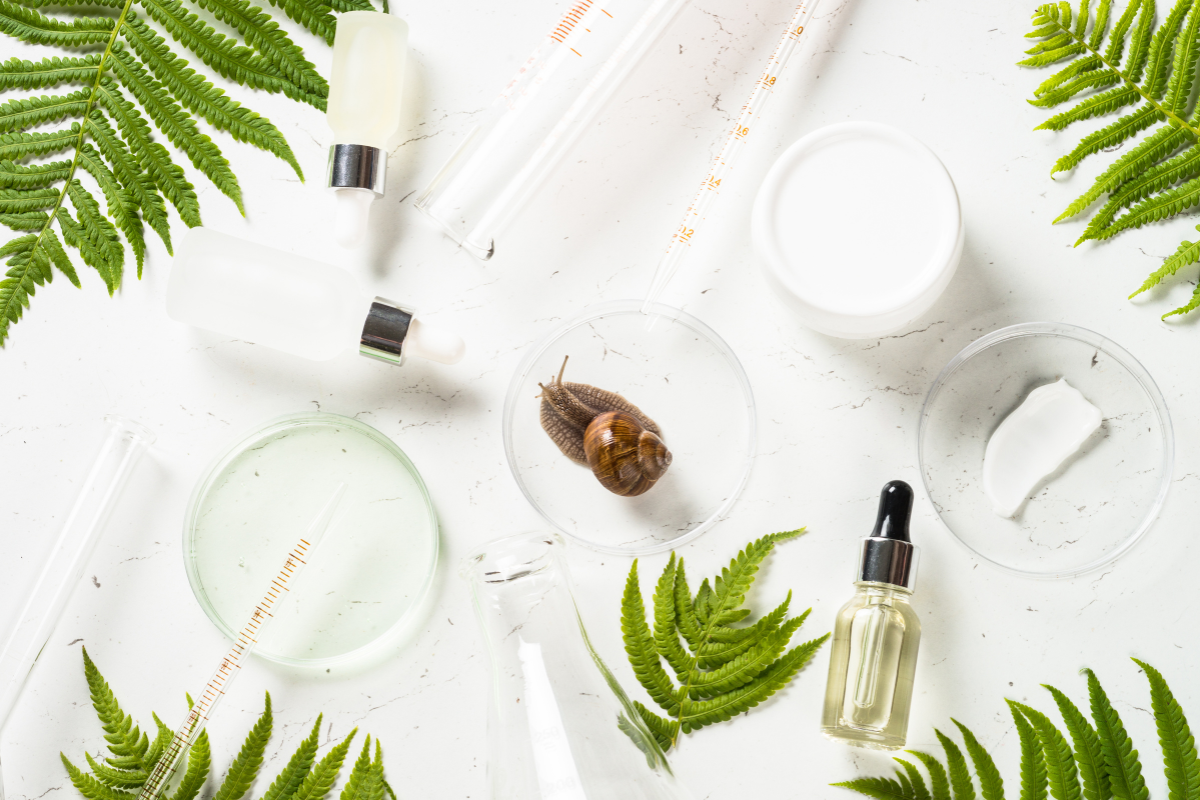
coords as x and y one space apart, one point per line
364 584
858 229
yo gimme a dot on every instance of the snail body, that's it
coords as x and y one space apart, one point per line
604 431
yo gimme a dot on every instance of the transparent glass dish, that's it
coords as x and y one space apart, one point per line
683 376
372 571
1100 502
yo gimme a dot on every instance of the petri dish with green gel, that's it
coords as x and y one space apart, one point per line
369 575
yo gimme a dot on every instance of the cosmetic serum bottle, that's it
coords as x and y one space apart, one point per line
365 92
294 304
876 636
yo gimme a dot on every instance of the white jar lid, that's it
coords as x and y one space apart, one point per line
858 229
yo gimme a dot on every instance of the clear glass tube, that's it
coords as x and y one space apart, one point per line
124 443
554 95
560 727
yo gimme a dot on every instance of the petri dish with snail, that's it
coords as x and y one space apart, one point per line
681 377
367 580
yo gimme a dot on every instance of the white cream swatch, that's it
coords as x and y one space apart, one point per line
1033 441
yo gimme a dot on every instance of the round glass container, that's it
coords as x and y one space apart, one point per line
1100 502
365 579
679 373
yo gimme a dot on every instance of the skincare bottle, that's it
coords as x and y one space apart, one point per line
876 635
294 304
365 89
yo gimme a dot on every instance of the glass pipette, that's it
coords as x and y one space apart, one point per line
723 164
123 447
245 643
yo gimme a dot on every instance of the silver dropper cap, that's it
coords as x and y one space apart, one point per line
385 330
888 556
357 166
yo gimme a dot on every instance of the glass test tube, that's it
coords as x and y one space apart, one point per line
123 446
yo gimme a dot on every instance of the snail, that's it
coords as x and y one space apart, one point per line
606 432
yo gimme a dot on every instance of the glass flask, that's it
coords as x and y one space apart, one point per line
559 726
876 636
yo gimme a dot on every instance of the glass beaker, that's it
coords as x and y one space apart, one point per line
559 725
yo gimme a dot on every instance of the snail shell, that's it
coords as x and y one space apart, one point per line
624 456
627 454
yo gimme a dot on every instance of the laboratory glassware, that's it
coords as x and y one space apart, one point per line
553 97
371 585
876 636
560 727
1100 503
366 87
124 444
231 666
293 304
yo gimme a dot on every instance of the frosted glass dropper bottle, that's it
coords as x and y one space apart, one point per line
294 304
365 90
876 636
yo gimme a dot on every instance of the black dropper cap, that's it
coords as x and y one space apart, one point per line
888 555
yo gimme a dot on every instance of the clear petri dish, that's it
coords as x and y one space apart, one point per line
368 576
683 376
1099 503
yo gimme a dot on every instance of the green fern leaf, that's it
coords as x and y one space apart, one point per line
1161 47
200 96
878 788
1034 782
91 788
18 74
1139 42
31 111
320 780
1061 771
1072 70
140 186
33 27
16 146
1094 106
25 220
176 124
1182 167
360 775
1183 72
249 759
1187 254
199 761
116 778
939 780
1089 758
298 767
960 773
26 271
991 785
722 670
1162 206
313 16
639 646
101 236
125 741
121 206
153 157
159 745
919 790
15 201
264 34
1109 136
1155 147
35 176
1178 744
1121 760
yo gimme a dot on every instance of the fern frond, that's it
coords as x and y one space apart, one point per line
1120 759
320 780
18 74
125 741
35 176
1034 782
200 96
121 205
665 731
264 35
1061 771
1182 167
116 778
245 767
199 760
960 773
746 667
1109 136
91 788
176 124
15 201
108 257
298 767
1155 147
26 271
1154 209
140 186
1178 744
31 111
1187 254
639 646
939 781
33 27
878 788
1139 42
991 785
919 790
18 146
313 16
666 639
1088 756
159 745
721 650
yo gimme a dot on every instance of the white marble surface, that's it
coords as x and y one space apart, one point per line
837 418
